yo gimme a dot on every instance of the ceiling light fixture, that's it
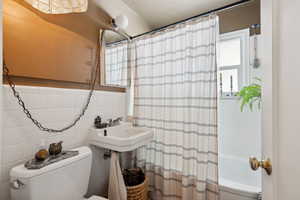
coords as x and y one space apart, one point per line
120 22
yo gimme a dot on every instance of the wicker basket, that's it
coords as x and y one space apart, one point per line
138 192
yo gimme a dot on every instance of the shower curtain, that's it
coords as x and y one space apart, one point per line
176 95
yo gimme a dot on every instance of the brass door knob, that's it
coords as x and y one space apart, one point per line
265 164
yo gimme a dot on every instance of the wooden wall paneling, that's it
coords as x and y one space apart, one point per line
52 50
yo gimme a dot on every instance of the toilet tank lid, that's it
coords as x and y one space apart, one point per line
21 171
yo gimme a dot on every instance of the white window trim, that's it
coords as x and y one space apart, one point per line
244 70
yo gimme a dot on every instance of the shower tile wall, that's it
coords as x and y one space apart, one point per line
54 108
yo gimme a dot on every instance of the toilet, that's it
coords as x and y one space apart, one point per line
64 180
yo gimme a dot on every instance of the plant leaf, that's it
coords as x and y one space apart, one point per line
250 94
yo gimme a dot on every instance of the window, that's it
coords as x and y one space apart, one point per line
233 59
116 59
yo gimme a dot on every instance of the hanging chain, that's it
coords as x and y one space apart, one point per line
35 121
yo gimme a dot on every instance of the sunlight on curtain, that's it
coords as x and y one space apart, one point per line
176 95
59 6
116 64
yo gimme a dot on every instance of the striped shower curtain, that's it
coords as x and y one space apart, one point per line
176 95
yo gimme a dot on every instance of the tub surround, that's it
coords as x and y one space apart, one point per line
55 108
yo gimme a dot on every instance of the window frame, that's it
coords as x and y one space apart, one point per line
243 68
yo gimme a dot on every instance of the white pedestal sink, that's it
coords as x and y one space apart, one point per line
120 138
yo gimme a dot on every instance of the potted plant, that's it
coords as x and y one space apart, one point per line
250 94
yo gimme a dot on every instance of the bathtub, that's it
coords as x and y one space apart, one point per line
235 191
237 181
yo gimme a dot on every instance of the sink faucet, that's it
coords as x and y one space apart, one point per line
114 122
109 122
98 123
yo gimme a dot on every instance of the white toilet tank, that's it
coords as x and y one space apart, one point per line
64 180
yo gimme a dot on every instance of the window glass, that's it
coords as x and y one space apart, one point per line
116 65
230 52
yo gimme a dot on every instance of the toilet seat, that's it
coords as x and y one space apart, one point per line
96 198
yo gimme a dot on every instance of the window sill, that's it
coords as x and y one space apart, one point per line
60 84
229 98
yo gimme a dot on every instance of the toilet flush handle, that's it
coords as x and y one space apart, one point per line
16 184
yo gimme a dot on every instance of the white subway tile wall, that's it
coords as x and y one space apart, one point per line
55 108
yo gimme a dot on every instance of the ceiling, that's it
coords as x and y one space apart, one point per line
158 13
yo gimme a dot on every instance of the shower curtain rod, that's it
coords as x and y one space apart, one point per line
229 6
